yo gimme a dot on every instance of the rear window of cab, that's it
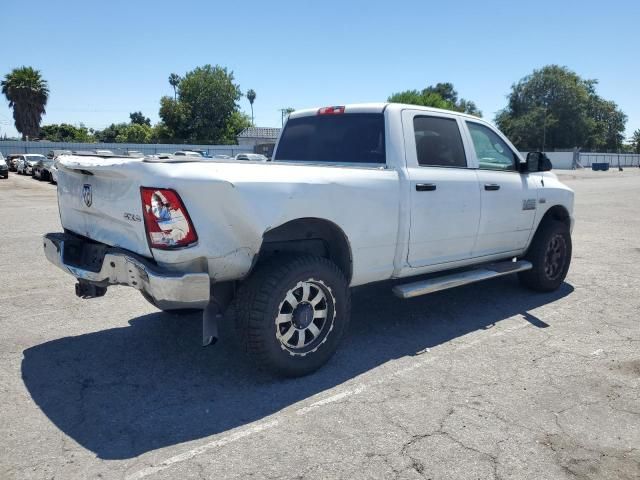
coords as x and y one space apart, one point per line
343 138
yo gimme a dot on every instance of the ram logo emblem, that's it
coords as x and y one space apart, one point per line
87 195
529 204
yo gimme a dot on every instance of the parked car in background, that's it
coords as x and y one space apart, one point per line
251 157
53 154
203 153
187 153
12 161
53 173
52 169
42 169
4 168
222 157
27 162
104 152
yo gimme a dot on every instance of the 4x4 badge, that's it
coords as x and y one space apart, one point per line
87 196
529 204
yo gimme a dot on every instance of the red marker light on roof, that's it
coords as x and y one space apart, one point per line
331 110
166 219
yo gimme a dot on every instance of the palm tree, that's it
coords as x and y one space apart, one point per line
251 96
174 81
27 93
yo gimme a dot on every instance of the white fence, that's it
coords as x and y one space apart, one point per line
560 160
613 159
13 146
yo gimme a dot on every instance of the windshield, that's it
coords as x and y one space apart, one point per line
345 138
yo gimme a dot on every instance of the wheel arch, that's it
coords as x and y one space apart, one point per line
558 213
309 235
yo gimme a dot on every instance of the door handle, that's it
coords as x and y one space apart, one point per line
425 187
491 186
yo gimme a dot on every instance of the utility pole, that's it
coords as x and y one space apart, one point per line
284 112
544 130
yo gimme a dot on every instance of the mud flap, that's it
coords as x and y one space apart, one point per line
210 317
220 297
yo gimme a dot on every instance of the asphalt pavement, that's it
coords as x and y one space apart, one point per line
487 381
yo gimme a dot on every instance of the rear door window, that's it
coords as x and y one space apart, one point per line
342 138
438 142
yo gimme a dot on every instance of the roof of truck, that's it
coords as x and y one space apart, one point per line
376 107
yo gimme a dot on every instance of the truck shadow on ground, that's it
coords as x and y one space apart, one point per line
125 391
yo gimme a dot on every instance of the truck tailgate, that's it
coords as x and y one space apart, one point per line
99 198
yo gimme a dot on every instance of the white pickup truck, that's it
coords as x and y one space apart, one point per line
355 194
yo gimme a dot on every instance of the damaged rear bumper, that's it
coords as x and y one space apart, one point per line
102 266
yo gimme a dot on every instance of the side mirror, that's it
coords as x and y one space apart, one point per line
538 162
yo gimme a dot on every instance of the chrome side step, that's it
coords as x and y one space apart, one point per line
415 289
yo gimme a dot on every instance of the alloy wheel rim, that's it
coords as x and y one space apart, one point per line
554 257
305 317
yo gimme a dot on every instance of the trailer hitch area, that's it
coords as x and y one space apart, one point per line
86 290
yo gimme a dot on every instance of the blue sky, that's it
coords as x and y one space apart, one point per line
104 60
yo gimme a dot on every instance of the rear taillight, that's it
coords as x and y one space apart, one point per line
331 110
166 219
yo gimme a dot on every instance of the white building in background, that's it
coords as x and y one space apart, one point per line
252 136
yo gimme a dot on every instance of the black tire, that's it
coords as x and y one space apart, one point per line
262 300
550 254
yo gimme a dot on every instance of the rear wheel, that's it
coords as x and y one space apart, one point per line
550 254
292 313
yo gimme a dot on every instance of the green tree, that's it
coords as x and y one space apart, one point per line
175 119
206 99
139 118
440 95
422 98
65 132
237 122
251 96
555 108
109 134
635 141
162 134
27 93
135 133
174 81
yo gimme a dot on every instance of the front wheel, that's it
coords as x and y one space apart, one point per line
292 313
550 254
